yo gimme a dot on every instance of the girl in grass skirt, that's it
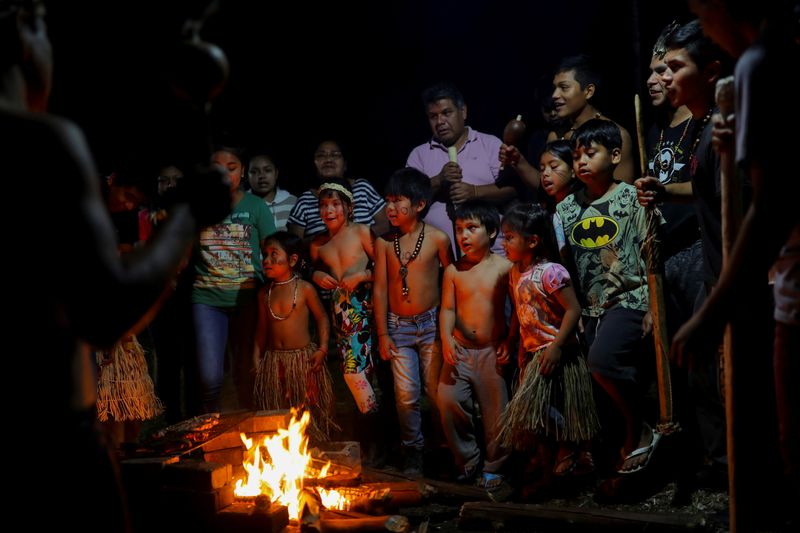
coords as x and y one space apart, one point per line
553 396
290 368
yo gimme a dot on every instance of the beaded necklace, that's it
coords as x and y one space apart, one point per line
414 254
697 136
294 297
574 127
680 141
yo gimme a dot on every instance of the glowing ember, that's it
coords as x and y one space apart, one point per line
278 465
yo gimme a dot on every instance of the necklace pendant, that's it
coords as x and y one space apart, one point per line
403 271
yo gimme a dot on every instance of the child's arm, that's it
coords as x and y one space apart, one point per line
447 315
566 297
260 337
445 251
380 299
323 326
504 350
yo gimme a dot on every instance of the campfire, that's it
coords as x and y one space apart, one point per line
279 466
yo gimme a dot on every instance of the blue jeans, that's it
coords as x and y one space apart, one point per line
416 365
211 326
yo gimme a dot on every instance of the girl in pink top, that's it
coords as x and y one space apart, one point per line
554 393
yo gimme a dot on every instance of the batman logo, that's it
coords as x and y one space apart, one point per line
594 232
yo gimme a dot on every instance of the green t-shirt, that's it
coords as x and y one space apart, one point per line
604 237
227 259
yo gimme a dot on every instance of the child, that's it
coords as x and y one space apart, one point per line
556 378
263 177
558 181
406 304
605 226
472 325
345 251
227 267
290 368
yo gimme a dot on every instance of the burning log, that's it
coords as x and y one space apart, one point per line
249 516
335 521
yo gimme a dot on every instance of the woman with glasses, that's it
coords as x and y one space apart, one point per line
330 163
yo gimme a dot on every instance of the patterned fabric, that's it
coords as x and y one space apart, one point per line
366 204
539 313
228 256
353 332
605 236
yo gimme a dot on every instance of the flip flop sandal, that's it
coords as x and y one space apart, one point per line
566 464
496 487
649 450
584 465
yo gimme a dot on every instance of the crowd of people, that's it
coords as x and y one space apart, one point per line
507 327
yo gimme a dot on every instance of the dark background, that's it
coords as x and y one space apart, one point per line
304 71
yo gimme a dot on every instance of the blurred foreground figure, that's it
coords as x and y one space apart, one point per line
75 288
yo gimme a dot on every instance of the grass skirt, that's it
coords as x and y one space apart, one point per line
124 389
561 404
284 380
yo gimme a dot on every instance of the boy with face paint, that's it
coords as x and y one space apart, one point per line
406 298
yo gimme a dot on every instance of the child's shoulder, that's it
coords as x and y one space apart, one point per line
501 263
437 235
319 239
304 286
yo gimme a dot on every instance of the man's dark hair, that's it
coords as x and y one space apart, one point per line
483 212
699 47
442 91
603 132
583 67
412 184
660 46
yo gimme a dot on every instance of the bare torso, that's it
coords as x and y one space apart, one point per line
423 272
344 253
480 293
292 332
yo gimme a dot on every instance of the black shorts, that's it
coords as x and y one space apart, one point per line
616 347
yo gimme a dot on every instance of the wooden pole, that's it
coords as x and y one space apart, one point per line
731 220
655 285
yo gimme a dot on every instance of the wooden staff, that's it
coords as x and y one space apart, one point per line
655 285
731 220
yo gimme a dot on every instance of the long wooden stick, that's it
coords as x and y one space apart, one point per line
655 285
731 220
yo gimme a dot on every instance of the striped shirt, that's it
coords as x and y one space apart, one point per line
366 204
281 206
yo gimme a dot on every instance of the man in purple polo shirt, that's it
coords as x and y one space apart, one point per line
474 175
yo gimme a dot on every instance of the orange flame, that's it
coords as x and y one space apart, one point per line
279 472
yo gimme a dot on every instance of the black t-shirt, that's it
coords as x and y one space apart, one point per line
668 160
